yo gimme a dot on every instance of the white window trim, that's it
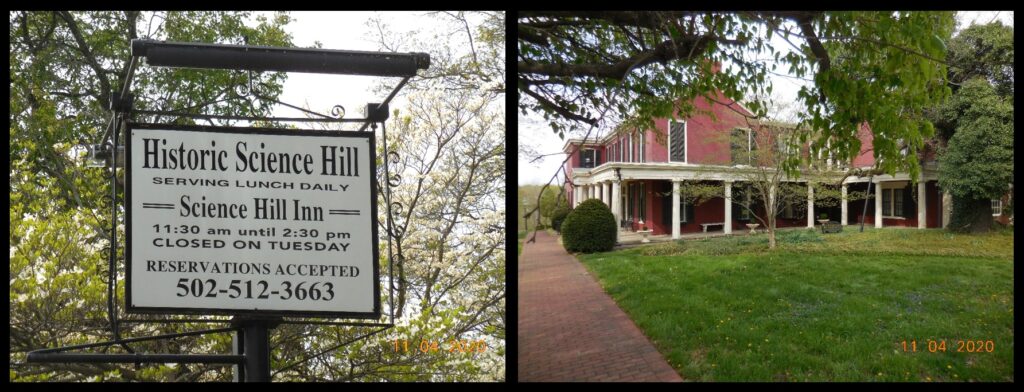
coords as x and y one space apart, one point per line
1000 202
686 141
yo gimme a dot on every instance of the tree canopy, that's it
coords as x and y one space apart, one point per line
448 131
979 159
64 67
979 51
976 124
880 68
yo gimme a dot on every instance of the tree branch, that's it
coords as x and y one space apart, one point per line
663 52
557 108
83 47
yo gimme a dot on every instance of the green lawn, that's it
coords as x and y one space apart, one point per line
833 307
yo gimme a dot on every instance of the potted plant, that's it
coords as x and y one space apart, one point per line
823 218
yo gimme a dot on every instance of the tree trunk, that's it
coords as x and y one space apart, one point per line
971 215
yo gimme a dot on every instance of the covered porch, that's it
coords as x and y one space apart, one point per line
648 195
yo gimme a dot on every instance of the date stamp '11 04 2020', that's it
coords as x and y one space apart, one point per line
453 346
956 346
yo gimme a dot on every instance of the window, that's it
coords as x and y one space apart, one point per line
739 146
629 141
892 202
752 142
642 200
677 141
897 202
745 212
683 216
643 155
997 207
629 206
588 158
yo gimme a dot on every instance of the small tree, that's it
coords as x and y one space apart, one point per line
760 161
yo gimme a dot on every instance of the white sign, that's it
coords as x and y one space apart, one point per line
244 220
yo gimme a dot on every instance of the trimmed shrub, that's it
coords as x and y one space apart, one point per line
558 217
589 228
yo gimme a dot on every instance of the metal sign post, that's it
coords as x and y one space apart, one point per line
253 339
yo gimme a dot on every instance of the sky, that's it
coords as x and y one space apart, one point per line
345 30
533 134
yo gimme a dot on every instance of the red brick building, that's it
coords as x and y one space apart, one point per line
639 178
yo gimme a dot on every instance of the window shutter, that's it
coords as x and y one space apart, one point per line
886 201
909 210
597 157
678 146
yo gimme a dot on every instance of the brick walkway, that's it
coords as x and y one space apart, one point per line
570 330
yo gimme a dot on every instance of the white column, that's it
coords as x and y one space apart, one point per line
947 208
810 206
628 201
845 207
675 209
878 205
577 195
728 207
606 188
616 208
609 193
922 204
